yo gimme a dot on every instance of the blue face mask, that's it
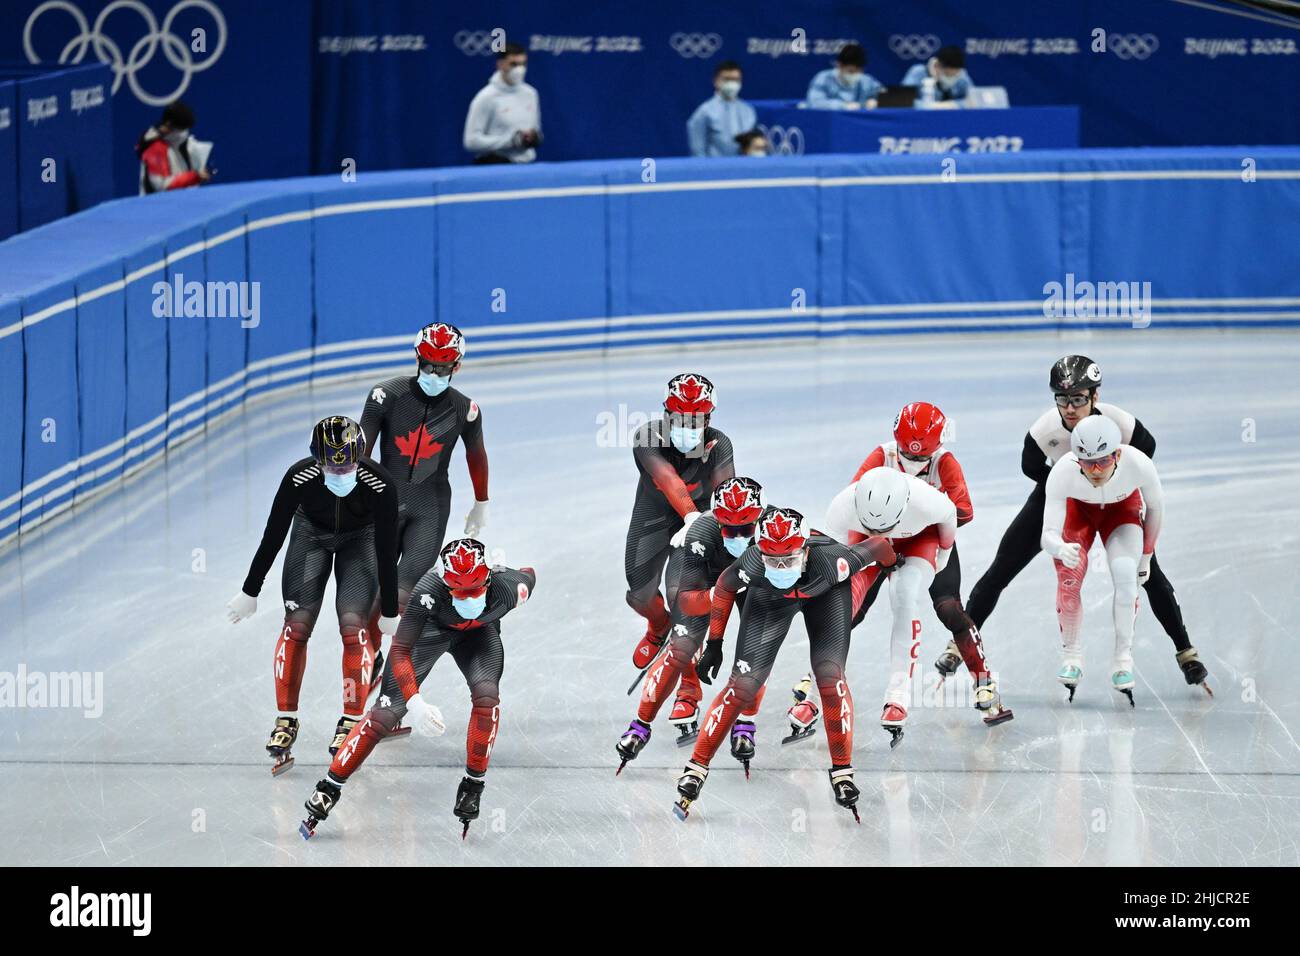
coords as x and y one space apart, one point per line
735 546
432 384
470 608
782 579
685 439
341 485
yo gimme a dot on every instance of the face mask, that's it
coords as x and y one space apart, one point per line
947 82
757 152
845 79
341 485
729 89
735 546
684 439
913 468
782 579
432 384
515 75
176 137
470 608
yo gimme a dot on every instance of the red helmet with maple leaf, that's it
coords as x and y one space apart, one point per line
918 429
781 531
465 567
689 394
737 501
440 343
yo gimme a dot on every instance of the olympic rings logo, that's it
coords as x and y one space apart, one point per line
477 42
175 48
914 46
1132 46
783 141
697 45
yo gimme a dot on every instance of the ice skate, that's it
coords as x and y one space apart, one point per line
948 662
1070 674
685 717
632 743
742 742
1194 671
1122 681
892 719
319 805
803 713
647 649
689 785
282 739
845 790
341 731
989 702
467 802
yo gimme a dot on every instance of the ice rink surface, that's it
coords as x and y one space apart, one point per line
173 772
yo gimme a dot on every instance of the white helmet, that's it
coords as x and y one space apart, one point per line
881 497
1094 437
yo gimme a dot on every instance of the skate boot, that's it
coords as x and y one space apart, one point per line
685 717
467 801
892 719
341 731
1070 674
742 742
948 662
632 743
648 648
319 805
282 739
1122 681
803 715
689 785
1193 670
845 790
989 702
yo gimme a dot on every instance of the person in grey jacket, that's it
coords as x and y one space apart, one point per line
504 124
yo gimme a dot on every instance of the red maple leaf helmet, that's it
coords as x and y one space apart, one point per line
465 566
440 343
781 531
689 394
737 501
918 429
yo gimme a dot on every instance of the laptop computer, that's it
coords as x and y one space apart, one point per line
897 96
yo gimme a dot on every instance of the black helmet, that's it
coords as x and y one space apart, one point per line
1074 373
337 440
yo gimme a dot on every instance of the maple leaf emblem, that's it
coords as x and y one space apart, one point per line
690 388
463 560
417 445
442 336
778 526
736 497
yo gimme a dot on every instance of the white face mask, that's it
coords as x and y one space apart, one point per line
913 468
515 75
729 89
178 136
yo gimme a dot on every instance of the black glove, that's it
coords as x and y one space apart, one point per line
888 569
710 661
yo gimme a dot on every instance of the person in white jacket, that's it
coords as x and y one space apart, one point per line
1105 487
921 523
504 124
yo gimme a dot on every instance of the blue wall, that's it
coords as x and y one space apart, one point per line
594 256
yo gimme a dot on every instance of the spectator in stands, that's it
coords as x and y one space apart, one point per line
948 67
504 123
845 86
164 152
754 143
715 124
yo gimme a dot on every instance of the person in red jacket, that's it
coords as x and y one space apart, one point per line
164 153
917 449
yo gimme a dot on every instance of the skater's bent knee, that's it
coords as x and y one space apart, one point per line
951 614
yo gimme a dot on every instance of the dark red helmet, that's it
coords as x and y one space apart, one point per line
465 567
781 531
440 343
918 429
689 394
737 501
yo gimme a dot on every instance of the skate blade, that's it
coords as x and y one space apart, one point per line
465 832
682 809
688 738
1001 717
896 736
281 766
799 735
1206 687
637 683
1128 692
307 830
401 733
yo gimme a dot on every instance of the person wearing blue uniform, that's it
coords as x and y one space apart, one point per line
948 67
715 124
846 85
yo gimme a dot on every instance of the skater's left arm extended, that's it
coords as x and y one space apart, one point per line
283 507
1153 496
477 460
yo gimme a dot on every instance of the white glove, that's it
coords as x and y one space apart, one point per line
1069 554
679 538
476 520
388 625
240 606
424 718
1144 569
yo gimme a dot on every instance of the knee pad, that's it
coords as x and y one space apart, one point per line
827 674
485 696
296 629
746 689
